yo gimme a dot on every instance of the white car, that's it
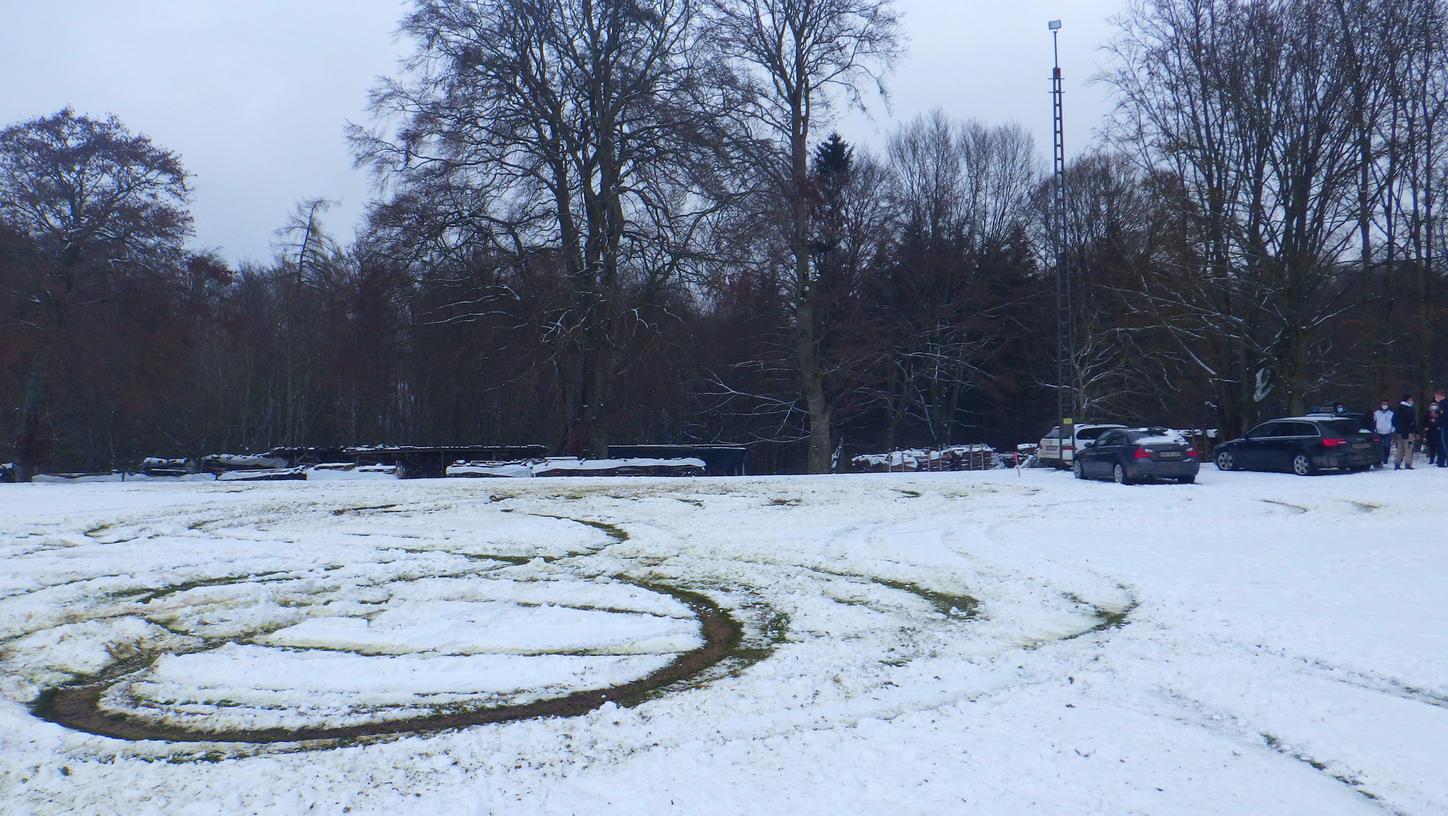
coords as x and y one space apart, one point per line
1049 451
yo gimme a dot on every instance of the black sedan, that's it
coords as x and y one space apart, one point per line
1139 454
1302 445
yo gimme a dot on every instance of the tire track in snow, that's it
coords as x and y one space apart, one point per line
77 704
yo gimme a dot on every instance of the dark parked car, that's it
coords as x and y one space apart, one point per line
1138 454
1303 445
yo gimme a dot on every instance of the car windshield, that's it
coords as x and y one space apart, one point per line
1340 427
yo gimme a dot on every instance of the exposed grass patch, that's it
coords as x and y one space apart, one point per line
211 582
1356 785
946 603
1107 617
1296 508
342 511
618 534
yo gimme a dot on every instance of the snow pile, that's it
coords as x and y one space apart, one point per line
80 478
491 470
957 457
563 466
242 461
162 462
569 466
263 475
347 471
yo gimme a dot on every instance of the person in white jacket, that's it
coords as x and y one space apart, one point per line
1383 427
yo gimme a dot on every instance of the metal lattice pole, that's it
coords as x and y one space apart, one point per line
1065 404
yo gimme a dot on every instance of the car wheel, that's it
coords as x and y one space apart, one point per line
1078 470
1226 461
1301 465
1118 474
1188 480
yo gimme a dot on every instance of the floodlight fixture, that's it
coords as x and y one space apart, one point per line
1054 25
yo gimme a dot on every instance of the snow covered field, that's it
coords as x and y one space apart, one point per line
993 643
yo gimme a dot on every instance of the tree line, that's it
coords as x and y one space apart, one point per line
606 221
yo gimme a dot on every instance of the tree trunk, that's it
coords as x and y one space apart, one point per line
1296 381
812 381
575 378
32 447
598 408
894 407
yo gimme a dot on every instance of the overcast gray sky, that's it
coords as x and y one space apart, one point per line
254 94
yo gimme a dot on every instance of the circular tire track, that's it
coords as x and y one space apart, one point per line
77 705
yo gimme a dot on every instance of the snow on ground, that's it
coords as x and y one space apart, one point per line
998 643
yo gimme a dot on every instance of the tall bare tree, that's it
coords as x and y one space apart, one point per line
580 129
97 201
960 202
798 59
1240 105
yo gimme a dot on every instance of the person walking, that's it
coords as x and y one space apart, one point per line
1442 399
1383 427
1433 434
1405 433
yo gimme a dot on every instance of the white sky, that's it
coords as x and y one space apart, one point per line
254 94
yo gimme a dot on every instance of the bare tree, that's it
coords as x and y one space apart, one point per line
797 58
1239 104
309 250
960 197
1119 366
97 201
1416 155
579 127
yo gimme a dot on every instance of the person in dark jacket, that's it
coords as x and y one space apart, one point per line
1433 434
1442 399
1405 438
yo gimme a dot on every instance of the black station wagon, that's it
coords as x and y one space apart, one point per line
1302 445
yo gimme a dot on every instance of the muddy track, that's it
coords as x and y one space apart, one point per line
1351 783
77 706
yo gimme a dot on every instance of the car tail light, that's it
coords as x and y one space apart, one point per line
1141 453
1333 443
1192 452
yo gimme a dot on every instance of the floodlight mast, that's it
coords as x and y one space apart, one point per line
1065 404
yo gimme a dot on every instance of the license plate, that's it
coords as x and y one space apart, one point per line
1170 454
